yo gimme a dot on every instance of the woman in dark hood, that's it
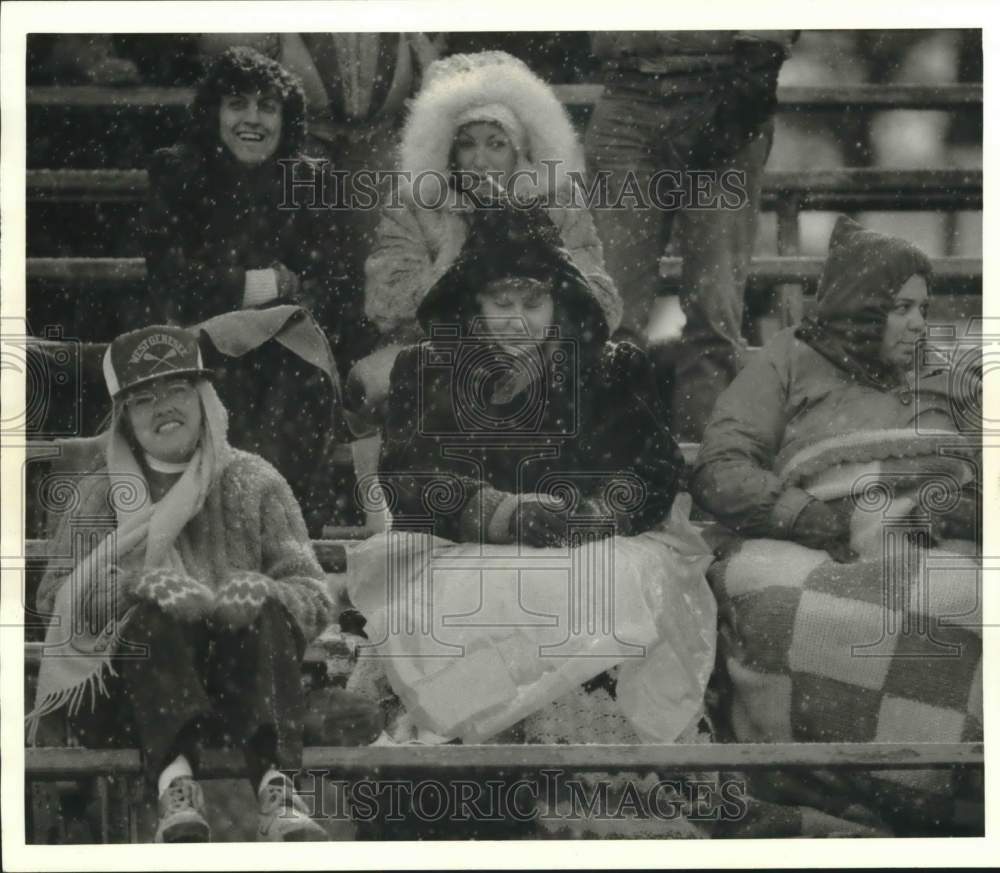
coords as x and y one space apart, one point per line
517 430
843 455
518 371
220 238
850 370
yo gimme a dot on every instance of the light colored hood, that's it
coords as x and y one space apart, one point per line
457 86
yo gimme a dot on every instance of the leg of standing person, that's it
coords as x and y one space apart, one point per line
365 152
642 125
622 142
716 246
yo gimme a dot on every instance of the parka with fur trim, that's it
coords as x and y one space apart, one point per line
416 245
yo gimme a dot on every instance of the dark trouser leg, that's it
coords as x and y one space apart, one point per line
165 689
281 408
356 149
641 126
255 680
716 246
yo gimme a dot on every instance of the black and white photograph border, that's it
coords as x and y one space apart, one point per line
499 436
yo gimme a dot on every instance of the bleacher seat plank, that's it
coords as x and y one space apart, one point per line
69 763
331 554
97 96
850 188
767 270
106 271
776 269
75 186
315 653
790 98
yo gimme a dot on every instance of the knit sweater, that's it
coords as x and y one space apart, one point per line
250 522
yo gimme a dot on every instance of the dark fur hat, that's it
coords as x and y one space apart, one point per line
508 241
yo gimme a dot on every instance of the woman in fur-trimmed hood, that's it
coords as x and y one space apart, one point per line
489 115
496 88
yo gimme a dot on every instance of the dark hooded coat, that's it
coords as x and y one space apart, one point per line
821 380
457 446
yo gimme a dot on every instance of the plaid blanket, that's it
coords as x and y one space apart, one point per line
817 651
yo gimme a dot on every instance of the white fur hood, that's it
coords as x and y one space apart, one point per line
459 83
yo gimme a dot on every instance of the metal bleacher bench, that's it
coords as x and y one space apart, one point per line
786 193
116 775
949 272
790 98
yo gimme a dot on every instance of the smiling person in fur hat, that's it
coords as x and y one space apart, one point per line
195 606
484 113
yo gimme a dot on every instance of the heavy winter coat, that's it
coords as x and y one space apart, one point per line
208 218
600 431
461 422
815 385
787 398
416 244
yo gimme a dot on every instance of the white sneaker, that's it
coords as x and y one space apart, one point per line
284 816
182 813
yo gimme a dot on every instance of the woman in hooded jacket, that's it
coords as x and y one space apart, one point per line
220 237
518 435
185 618
843 442
480 123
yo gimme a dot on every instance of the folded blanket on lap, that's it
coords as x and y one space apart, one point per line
475 638
815 652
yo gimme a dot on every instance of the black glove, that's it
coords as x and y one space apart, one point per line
960 523
287 282
539 522
499 218
820 527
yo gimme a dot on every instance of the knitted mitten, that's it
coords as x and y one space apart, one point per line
241 598
175 593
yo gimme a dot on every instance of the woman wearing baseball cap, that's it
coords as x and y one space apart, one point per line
193 610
